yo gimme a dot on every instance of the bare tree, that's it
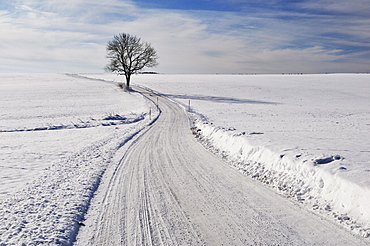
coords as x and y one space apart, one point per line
128 55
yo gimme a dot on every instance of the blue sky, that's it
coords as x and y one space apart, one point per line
195 36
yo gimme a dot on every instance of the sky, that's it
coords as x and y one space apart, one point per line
190 36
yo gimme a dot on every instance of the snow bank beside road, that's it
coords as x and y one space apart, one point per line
302 176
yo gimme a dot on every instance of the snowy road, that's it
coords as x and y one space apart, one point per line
169 190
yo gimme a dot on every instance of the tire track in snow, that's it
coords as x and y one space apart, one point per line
168 190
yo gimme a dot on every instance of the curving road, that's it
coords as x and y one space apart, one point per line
169 190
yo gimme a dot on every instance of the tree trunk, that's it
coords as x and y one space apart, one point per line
128 79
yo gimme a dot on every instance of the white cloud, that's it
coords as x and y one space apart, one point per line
50 36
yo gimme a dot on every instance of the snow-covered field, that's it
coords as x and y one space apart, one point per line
305 135
58 134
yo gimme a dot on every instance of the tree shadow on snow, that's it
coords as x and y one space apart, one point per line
218 99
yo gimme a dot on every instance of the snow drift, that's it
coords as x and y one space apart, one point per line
300 175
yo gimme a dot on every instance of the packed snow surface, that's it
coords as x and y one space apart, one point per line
58 134
305 135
